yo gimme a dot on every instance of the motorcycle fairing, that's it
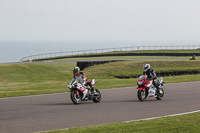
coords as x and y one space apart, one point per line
82 89
148 83
93 81
76 91
141 88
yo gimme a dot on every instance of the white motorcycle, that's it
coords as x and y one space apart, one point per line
81 93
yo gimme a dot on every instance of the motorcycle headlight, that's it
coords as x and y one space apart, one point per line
140 82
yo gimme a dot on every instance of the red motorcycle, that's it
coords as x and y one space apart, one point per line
147 90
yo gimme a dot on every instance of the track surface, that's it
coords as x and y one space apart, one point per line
56 111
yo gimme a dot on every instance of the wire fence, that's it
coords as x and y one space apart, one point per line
104 50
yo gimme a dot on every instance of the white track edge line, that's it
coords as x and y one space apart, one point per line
164 116
130 120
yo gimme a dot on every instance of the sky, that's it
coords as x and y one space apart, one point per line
29 27
99 20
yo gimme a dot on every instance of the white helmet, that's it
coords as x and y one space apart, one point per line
146 67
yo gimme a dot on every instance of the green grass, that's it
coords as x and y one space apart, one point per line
116 83
105 74
184 124
123 58
128 68
32 79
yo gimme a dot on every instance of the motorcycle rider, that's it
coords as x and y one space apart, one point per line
81 77
148 71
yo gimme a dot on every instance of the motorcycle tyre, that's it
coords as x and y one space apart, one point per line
163 92
73 94
95 98
161 95
139 94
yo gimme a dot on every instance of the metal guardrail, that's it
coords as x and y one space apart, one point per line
103 50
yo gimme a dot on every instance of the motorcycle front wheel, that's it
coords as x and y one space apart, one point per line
141 95
76 99
97 96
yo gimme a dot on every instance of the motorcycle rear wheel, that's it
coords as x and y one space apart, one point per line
76 99
97 97
160 95
141 95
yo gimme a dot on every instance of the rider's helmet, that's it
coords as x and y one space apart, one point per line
146 67
76 70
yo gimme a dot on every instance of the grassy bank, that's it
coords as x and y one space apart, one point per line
128 68
184 124
32 79
124 58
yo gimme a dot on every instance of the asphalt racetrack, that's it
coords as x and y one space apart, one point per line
56 111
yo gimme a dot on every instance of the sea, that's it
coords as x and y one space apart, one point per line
14 50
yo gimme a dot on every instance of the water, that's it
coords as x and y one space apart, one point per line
13 51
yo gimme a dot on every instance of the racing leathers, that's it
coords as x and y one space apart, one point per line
151 74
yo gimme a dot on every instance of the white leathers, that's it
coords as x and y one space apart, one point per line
80 84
